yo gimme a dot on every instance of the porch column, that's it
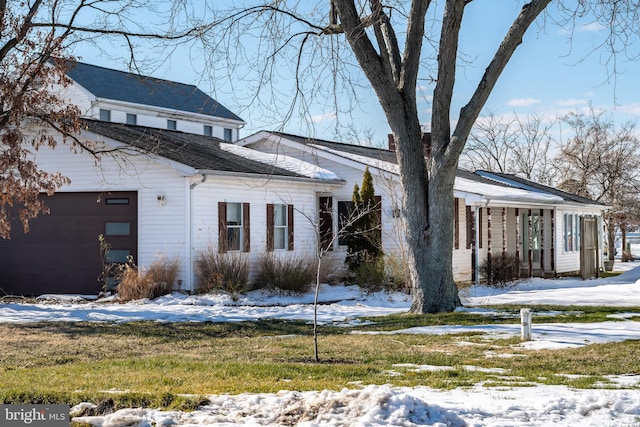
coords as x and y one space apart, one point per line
553 242
542 241
504 230
489 243
517 233
530 225
476 244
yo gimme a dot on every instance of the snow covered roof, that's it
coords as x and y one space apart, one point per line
280 161
526 184
202 153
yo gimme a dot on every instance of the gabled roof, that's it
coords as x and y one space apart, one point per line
203 153
526 184
377 154
506 188
358 150
121 86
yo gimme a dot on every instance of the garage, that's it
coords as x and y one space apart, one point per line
61 252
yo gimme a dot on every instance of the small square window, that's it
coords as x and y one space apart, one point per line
117 229
208 130
132 119
117 255
105 115
228 135
172 125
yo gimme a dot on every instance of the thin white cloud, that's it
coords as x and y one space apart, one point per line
523 102
632 109
593 27
571 102
322 117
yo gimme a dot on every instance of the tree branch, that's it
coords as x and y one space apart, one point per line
469 113
443 92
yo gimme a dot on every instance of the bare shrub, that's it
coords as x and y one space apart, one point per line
501 270
288 274
225 272
397 272
371 277
151 282
332 271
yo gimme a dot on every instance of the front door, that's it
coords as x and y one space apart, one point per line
589 247
531 243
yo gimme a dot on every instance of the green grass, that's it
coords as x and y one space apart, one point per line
609 273
175 365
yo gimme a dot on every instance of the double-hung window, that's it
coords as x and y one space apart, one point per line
571 232
228 135
279 227
233 227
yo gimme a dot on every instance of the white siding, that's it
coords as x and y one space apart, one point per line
258 193
462 271
385 185
567 261
148 115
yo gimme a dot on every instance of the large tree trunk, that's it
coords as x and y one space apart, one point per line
428 212
427 176
434 270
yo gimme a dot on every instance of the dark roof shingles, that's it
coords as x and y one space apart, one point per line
122 86
198 151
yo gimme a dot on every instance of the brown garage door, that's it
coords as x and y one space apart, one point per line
61 254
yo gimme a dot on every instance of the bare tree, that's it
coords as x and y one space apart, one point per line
512 145
26 78
532 157
602 162
311 39
35 37
325 246
491 145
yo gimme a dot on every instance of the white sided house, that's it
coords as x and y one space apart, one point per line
160 193
550 231
175 181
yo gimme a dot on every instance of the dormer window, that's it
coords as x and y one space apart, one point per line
208 130
105 115
132 119
172 125
228 135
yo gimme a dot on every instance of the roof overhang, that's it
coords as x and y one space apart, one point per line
297 179
185 115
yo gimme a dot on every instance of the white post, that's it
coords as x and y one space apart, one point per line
525 321
477 243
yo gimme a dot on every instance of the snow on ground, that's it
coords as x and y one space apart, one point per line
384 405
622 290
387 406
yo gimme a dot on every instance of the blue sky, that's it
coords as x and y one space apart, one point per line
551 73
